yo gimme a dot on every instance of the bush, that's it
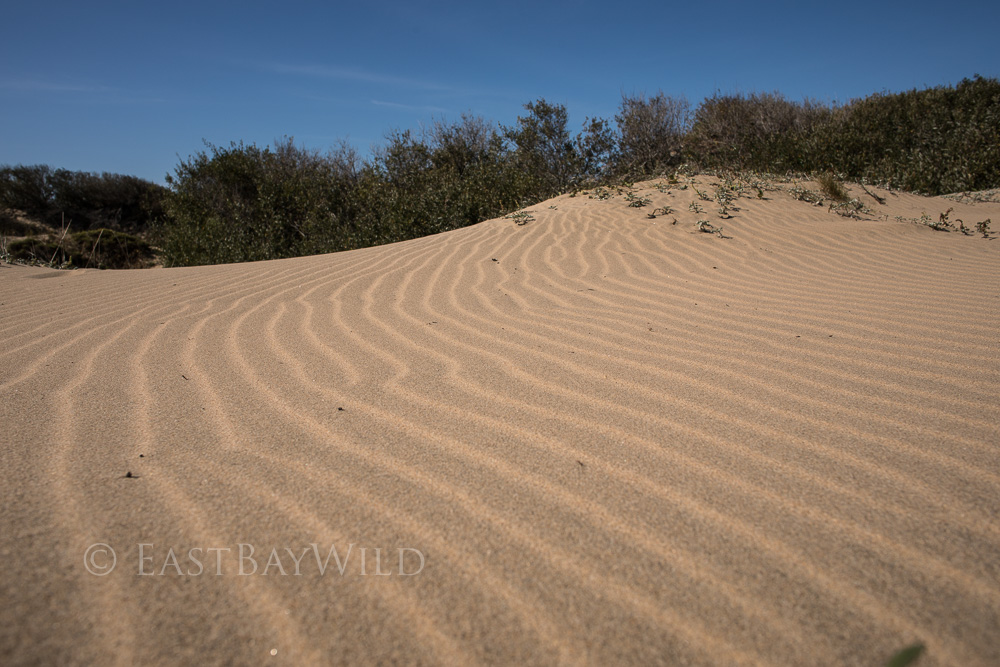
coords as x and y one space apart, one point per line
454 175
651 134
549 159
596 152
544 151
474 167
244 203
90 201
26 189
832 188
760 132
934 141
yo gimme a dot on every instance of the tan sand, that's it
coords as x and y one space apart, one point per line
611 439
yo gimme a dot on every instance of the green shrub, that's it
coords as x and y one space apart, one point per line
651 134
26 189
933 141
758 132
453 176
244 203
90 201
544 150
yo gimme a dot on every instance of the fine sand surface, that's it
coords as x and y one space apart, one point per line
612 440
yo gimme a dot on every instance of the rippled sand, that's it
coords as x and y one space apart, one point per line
611 439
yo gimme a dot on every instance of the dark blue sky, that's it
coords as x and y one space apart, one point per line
132 87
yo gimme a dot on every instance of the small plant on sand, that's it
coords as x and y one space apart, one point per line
984 228
852 208
725 195
731 183
943 221
750 183
800 193
663 210
602 193
694 207
764 182
832 188
635 201
708 228
521 217
942 224
701 195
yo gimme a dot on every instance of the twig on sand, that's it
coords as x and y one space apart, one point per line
880 200
61 238
94 248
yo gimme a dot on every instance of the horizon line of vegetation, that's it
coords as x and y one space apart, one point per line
246 203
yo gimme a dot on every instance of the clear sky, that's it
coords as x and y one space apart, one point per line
133 87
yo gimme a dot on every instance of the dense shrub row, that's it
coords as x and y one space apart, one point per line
85 200
933 141
243 202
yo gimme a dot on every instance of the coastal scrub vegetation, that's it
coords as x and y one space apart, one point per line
62 218
93 248
91 201
244 202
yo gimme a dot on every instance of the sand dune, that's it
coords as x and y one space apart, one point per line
609 438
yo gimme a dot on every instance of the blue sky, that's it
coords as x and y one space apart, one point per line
134 87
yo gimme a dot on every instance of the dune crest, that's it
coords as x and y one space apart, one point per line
593 437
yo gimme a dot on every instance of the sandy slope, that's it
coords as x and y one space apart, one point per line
612 439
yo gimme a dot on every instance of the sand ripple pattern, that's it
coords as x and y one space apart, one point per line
613 440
